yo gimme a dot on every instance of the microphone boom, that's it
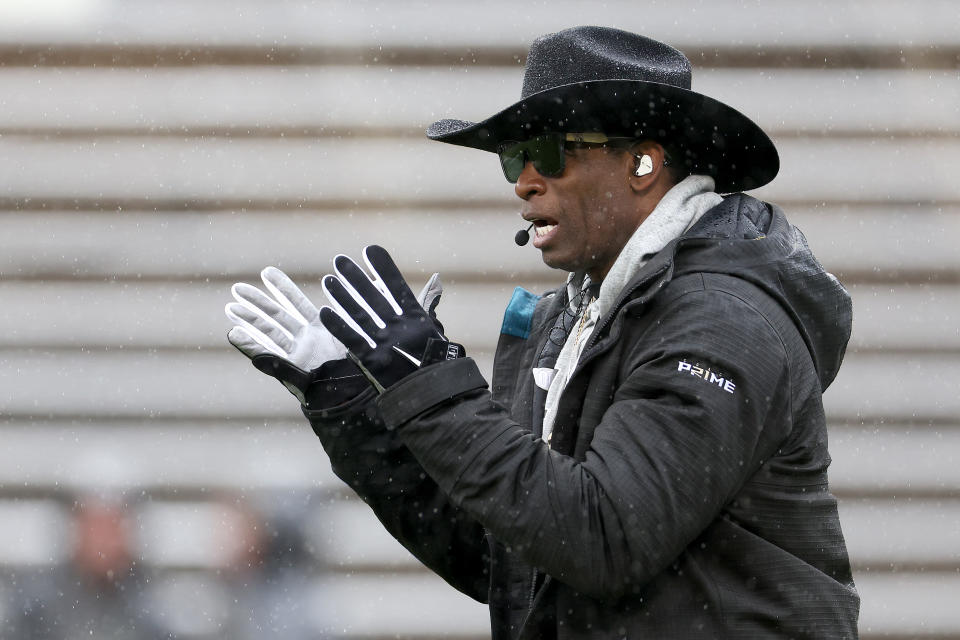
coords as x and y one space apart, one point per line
523 236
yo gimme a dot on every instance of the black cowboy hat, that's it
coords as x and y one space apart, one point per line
599 79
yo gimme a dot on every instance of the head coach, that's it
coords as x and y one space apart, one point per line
650 458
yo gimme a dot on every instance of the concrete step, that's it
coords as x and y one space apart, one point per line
98 315
909 605
333 100
233 173
204 383
900 534
184 458
915 459
876 243
287 24
281 453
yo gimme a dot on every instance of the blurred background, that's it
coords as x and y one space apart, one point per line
154 485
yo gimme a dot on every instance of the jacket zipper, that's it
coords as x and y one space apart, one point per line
594 337
668 265
621 300
533 591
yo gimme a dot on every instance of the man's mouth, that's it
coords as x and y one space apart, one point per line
544 229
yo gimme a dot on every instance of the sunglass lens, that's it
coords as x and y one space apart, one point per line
512 160
545 152
547 155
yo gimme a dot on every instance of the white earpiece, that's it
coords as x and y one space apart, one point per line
645 165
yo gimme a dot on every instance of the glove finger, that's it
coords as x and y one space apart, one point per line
385 269
288 294
248 344
351 311
429 296
255 320
353 276
255 299
339 329
379 283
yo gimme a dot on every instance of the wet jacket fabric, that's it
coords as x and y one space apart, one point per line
684 493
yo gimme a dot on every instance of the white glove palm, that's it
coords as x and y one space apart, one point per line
287 325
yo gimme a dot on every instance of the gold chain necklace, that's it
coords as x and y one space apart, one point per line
583 321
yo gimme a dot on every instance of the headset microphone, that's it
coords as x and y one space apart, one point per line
523 236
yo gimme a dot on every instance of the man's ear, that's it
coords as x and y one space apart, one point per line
646 165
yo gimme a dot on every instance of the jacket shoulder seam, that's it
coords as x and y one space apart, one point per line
749 303
769 323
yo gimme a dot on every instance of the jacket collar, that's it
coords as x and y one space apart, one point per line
679 209
717 223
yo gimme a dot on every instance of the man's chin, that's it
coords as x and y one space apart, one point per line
558 262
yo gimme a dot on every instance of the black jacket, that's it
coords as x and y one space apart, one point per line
685 494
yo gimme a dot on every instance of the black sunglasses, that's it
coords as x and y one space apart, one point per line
545 151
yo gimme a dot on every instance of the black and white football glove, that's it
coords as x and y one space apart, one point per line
386 331
280 330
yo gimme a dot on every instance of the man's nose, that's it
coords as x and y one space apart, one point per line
530 182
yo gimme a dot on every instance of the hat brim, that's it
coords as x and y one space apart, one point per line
713 138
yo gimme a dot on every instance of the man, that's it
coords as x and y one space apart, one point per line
651 459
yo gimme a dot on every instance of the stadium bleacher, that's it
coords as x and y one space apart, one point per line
152 154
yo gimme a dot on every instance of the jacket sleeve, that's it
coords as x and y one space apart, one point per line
376 464
671 449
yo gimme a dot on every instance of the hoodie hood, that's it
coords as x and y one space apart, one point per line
752 240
